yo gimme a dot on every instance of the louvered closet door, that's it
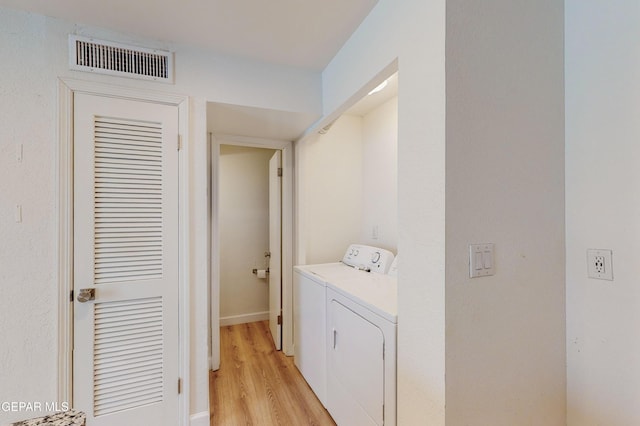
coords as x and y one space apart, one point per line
126 248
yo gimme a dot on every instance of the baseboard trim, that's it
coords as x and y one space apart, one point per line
243 319
199 419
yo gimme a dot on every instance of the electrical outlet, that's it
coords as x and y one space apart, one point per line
599 264
375 232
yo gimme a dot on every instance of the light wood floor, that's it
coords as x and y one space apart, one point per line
259 386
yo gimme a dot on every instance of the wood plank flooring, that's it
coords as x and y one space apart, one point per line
259 386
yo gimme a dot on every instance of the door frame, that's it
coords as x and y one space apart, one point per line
287 237
66 89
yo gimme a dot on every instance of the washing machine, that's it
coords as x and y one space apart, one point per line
310 307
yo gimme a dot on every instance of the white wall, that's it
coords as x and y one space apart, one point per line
505 172
348 184
413 32
603 210
505 124
380 176
244 231
329 190
37 47
28 307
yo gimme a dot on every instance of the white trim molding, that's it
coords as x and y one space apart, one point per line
288 249
200 419
65 242
66 90
243 319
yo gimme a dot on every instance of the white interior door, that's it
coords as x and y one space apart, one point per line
275 248
125 359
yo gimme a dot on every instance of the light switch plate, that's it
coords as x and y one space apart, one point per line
482 260
18 213
599 264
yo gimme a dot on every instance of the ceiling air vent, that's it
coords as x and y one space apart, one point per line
105 57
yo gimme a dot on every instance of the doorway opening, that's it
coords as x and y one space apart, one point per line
249 247
235 127
243 241
254 127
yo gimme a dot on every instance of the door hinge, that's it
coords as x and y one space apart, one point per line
279 171
279 319
179 142
71 296
179 386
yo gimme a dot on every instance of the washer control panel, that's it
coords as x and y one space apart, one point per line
368 258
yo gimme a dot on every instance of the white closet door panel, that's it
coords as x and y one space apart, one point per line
126 249
113 387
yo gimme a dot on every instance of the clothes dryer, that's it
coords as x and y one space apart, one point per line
310 310
361 350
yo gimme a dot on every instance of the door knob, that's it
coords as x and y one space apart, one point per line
86 294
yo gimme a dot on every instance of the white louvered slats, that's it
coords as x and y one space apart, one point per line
128 200
126 250
106 57
128 354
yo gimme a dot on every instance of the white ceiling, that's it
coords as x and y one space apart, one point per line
300 33
236 120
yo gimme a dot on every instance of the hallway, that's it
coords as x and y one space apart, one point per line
257 385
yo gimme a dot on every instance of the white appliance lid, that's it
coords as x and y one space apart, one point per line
368 258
